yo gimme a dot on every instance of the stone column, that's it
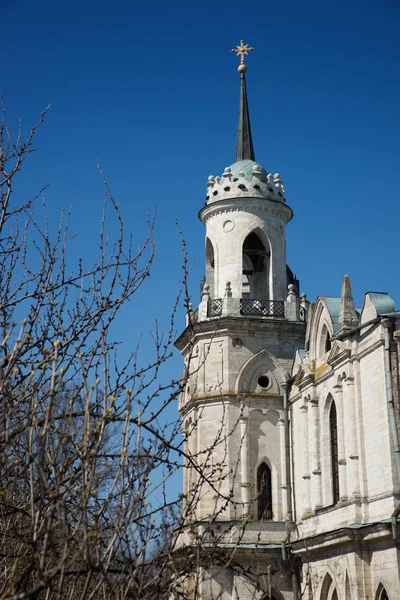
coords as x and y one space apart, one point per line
291 305
359 408
353 478
203 306
338 389
305 462
230 306
244 465
193 453
186 467
281 424
315 459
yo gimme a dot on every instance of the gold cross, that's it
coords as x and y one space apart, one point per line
242 50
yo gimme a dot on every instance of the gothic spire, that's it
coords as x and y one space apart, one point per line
244 143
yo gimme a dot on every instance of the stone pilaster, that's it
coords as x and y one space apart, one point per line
338 389
305 462
353 479
281 425
244 465
315 459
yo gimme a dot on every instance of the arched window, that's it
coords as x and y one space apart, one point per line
264 492
255 268
381 593
324 344
210 264
334 452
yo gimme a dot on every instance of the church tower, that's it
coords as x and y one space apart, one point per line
238 348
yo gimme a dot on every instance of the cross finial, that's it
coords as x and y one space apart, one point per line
241 51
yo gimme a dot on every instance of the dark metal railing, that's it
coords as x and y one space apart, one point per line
262 307
194 316
214 308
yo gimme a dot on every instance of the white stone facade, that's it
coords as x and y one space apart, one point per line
349 541
290 416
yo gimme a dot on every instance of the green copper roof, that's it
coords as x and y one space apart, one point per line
382 302
246 167
333 306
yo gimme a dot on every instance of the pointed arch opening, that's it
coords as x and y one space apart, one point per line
255 268
381 593
264 492
328 589
333 437
210 267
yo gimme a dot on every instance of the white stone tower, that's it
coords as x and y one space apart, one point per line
238 347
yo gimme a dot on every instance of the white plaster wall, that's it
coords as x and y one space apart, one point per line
297 459
379 461
213 435
385 570
223 583
217 584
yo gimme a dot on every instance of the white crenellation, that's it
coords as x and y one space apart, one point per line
221 188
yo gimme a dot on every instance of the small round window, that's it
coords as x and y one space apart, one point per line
263 381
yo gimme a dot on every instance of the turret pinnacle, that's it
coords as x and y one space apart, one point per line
244 143
347 316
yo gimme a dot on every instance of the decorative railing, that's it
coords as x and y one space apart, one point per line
214 308
262 308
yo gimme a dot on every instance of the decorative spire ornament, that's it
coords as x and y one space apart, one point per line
347 315
241 51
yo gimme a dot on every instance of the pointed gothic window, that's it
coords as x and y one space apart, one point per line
264 492
334 452
210 264
381 593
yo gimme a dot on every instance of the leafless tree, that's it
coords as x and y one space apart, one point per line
86 453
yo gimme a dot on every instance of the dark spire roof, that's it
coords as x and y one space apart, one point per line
244 143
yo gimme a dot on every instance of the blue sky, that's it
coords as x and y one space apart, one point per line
151 90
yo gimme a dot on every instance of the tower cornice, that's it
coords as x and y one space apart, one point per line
259 327
275 207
